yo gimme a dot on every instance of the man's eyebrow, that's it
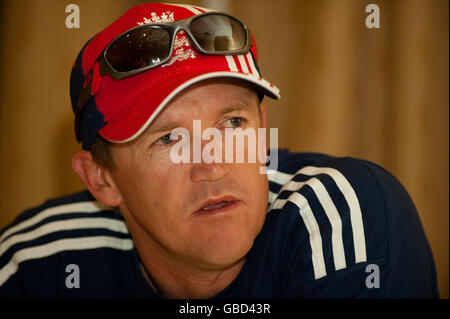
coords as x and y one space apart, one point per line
236 106
163 128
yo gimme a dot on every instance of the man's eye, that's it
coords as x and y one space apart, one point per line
165 140
234 122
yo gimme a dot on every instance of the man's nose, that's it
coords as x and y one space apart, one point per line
208 172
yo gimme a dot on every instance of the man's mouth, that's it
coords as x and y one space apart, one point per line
218 205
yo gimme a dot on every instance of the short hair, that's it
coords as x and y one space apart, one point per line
101 152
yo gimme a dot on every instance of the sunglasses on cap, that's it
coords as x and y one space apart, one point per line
150 45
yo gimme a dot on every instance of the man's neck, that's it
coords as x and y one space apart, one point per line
186 283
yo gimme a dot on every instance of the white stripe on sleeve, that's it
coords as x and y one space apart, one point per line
315 238
335 221
61 245
82 207
278 177
272 197
69 224
352 200
332 215
349 195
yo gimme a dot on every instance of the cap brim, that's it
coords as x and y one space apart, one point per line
131 121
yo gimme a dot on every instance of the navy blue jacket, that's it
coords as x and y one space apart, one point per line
335 228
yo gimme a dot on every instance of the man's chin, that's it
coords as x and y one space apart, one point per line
224 249
224 238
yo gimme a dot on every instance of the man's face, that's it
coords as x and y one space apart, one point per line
163 200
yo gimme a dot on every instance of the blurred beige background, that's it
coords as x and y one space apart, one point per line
378 94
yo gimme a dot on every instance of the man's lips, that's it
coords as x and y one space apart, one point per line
217 205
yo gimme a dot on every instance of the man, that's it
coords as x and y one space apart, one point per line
152 226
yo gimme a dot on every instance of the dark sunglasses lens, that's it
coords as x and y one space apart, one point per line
139 48
218 33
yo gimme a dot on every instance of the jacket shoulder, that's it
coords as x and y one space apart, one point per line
35 245
346 213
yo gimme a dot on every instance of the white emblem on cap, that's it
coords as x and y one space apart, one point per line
154 18
182 49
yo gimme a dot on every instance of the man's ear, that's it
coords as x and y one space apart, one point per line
96 178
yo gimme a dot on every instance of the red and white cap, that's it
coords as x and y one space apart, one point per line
122 109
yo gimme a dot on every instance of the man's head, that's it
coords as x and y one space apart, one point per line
164 200
207 214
